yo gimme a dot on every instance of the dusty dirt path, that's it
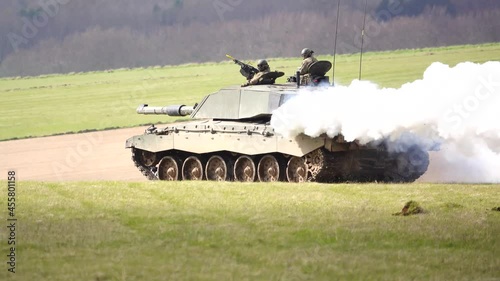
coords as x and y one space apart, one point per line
87 157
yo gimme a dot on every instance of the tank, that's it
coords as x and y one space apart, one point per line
230 139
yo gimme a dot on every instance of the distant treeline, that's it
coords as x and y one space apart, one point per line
47 36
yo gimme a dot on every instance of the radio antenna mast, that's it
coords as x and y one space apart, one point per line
362 40
335 44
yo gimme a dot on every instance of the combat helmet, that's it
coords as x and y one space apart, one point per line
262 65
306 52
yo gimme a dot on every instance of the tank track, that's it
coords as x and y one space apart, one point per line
369 165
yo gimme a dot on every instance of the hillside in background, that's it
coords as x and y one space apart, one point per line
82 35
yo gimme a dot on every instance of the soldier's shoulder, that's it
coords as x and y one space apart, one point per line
310 59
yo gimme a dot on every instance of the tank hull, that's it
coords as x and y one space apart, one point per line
251 151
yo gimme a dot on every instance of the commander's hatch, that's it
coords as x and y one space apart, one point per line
320 68
270 77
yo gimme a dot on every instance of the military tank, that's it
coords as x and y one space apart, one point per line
230 139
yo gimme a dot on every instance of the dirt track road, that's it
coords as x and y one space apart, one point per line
89 156
84 157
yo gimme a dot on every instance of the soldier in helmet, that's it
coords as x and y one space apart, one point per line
263 68
307 55
309 59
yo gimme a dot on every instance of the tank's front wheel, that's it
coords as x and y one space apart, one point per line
216 169
268 169
296 170
168 169
147 158
244 169
192 169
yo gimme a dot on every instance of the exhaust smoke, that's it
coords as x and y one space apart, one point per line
453 109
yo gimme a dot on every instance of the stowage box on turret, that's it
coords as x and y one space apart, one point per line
230 139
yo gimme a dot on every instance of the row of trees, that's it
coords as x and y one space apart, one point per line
103 35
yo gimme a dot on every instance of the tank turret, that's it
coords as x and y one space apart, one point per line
234 103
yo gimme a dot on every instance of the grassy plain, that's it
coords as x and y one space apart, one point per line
213 231
53 104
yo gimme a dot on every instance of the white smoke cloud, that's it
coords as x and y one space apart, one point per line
456 108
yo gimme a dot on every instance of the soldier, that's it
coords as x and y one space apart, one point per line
263 68
307 55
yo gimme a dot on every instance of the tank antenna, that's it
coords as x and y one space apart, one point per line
362 40
335 44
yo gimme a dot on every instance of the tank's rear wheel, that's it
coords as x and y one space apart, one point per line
407 166
296 170
192 169
268 169
147 158
244 169
216 169
315 162
168 169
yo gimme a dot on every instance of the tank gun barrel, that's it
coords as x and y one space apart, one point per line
171 110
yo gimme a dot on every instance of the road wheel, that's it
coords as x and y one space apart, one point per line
244 169
296 170
216 169
192 169
268 169
168 169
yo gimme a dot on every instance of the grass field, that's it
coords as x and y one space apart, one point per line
52 104
212 231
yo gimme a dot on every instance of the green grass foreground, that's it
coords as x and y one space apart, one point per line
231 231
55 104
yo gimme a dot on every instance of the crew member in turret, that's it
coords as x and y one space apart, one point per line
263 68
307 55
